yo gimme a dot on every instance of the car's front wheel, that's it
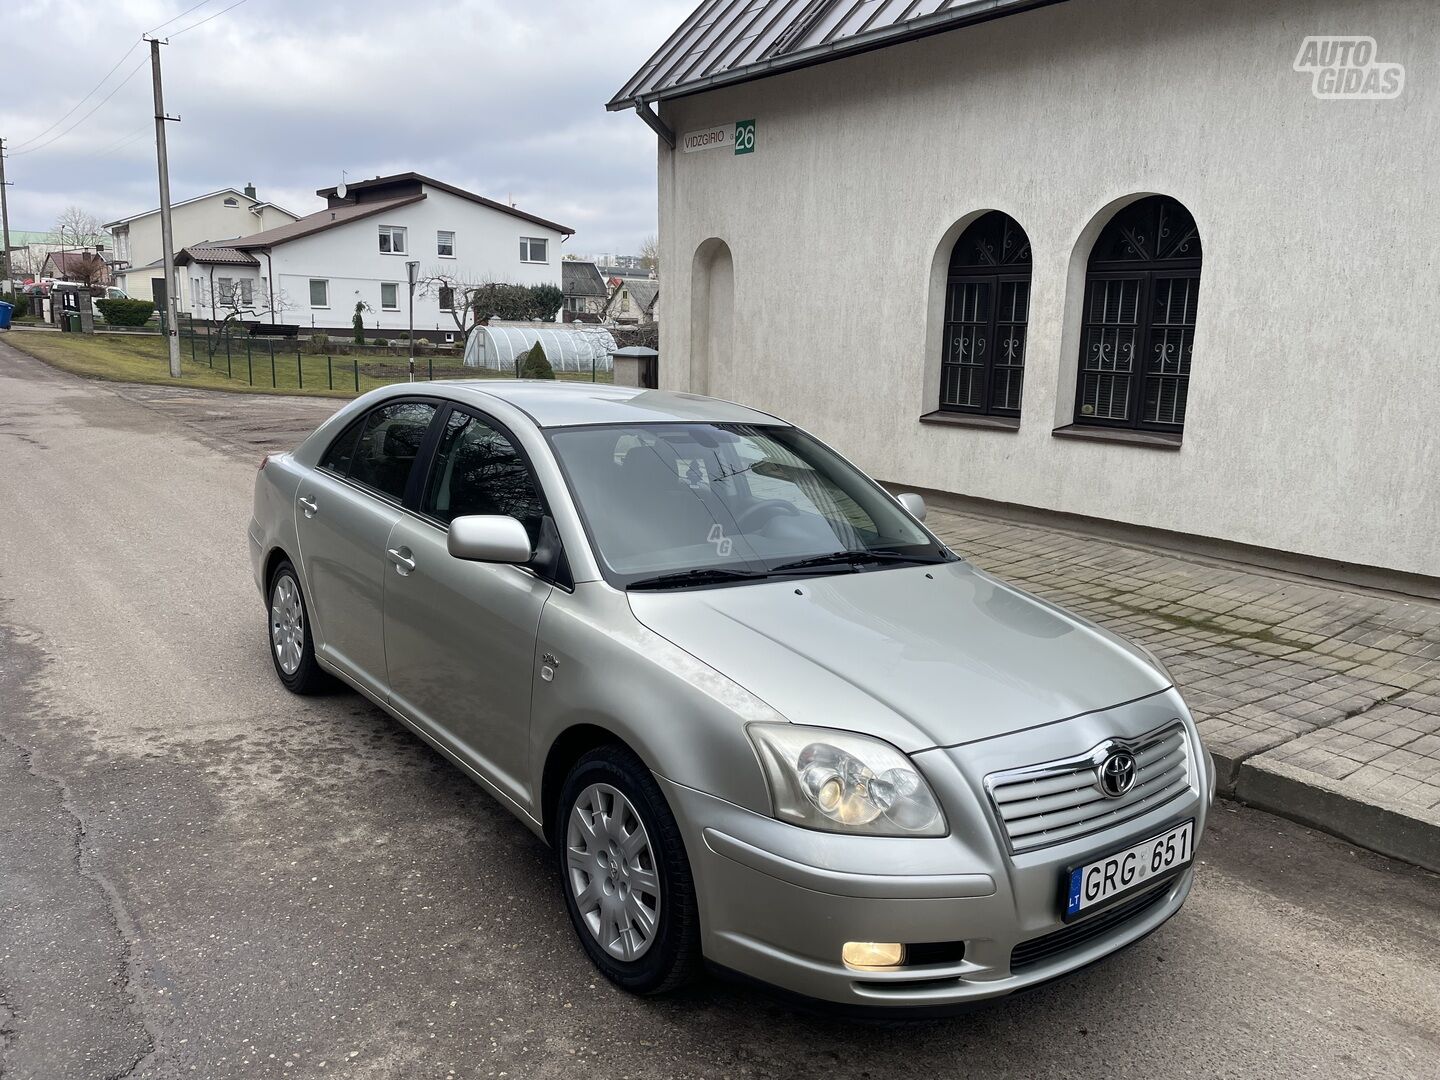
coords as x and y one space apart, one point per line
627 881
291 646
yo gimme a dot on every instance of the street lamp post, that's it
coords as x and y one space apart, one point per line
412 270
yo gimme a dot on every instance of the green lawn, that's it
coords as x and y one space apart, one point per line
249 367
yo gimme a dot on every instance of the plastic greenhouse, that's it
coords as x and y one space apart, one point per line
497 348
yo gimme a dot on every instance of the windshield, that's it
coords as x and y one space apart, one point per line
670 505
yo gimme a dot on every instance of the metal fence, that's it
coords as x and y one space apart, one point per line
298 364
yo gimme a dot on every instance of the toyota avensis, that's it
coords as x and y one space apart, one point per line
763 716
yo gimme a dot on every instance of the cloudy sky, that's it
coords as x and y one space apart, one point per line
502 97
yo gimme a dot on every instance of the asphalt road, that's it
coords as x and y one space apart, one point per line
201 875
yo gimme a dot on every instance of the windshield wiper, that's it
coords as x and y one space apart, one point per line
853 559
705 575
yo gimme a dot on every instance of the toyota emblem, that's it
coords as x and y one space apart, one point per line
1116 774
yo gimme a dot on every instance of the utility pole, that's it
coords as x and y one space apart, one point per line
167 236
4 222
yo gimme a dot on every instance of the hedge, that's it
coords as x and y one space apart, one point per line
126 312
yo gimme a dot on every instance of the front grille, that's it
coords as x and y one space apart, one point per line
1038 950
1057 801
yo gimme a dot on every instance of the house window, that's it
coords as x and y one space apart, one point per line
225 290
389 296
1139 319
392 240
447 298
319 293
445 245
624 301
247 292
987 306
534 249
231 202
195 292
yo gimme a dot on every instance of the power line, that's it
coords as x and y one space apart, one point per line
175 18
97 86
123 143
207 18
98 104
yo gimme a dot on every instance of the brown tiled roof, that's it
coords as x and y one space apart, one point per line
320 221
215 255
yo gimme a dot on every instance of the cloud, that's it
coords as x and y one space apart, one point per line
503 97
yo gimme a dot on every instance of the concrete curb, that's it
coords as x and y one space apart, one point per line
1292 793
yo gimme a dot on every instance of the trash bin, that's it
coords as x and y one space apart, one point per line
72 323
5 310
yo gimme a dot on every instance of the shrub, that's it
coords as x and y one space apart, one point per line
319 343
126 312
358 322
536 365
545 301
21 304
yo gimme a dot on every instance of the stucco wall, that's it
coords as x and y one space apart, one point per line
1314 412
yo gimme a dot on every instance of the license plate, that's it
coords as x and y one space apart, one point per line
1099 882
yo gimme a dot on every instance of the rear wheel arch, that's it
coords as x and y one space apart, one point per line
273 560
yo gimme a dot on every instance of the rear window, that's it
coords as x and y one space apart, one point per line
389 444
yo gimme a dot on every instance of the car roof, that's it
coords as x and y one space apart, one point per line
571 404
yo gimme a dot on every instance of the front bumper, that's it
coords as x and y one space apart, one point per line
778 903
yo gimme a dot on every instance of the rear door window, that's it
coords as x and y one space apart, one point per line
342 450
389 443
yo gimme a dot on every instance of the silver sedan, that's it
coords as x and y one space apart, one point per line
762 715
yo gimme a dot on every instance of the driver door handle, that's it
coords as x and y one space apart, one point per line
309 505
402 560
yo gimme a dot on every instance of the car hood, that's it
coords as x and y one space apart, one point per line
920 656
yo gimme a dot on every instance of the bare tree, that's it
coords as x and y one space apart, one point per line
232 300
650 255
77 228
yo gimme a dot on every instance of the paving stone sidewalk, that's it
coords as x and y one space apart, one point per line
1319 702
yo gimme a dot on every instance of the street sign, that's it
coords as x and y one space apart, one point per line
739 136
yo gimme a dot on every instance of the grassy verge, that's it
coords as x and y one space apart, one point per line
249 367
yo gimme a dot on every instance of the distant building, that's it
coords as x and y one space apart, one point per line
229 212
633 301
90 267
313 271
585 290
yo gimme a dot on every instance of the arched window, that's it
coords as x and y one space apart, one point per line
987 302
1139 318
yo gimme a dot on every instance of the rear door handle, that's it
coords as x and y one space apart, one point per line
310 506
402 560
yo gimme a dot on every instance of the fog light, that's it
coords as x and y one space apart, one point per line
873 954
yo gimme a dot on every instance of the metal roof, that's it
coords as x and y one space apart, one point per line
729 41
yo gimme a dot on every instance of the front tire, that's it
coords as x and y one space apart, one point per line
627 882
292 649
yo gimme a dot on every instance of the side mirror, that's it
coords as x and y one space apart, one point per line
492 538
913 503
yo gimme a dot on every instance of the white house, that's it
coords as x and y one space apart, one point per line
229 212
318 268
1119 263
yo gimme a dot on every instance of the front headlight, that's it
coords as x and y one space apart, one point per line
842 782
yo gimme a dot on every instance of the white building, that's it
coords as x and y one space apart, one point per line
935 245
227 213
319 267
